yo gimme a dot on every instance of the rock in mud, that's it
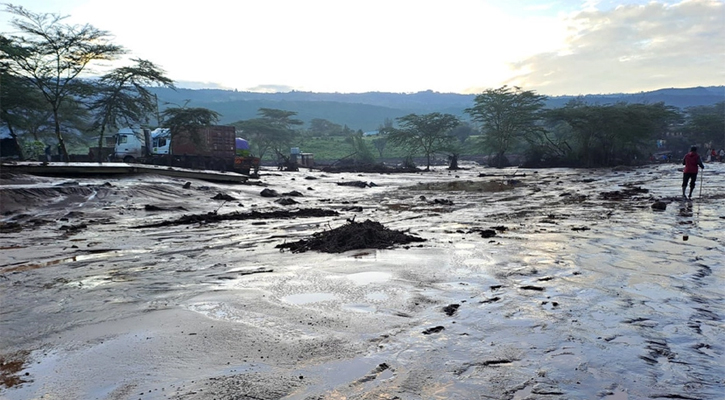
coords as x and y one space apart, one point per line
269 193
659 206
359 184
451 309
286 201
223 196
488 233
434 329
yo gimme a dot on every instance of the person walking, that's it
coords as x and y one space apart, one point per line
691 161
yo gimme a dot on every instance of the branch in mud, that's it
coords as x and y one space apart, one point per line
352 236
235 216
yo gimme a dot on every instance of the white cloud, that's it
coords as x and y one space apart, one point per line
634 48
552 46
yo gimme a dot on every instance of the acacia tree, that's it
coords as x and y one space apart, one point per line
189 120
323 127
51 55
507 115
427 134
604 135
272 130
121 96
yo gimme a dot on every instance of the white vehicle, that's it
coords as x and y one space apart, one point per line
130 144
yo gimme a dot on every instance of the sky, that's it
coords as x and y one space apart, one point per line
553 47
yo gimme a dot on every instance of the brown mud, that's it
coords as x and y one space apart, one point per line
530 284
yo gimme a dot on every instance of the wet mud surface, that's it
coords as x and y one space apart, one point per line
529 284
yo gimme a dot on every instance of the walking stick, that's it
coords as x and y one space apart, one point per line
702 179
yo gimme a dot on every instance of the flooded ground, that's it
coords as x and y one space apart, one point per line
531 284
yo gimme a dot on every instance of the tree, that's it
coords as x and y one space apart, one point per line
361 151
706 124
272 130
21 106
323 127
379 144
427 134
461 132
52 55
188 121
507 115
603 135
121 96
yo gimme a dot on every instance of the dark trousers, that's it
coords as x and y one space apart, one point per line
692 177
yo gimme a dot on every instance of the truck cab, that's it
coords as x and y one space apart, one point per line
161 141
130 144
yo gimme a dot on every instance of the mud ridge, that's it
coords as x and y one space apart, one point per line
237 216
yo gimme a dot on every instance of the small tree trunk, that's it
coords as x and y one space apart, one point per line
453 162
99 156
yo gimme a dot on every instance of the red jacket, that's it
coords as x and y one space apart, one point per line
691 161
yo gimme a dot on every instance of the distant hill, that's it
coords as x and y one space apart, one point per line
680 98
367 111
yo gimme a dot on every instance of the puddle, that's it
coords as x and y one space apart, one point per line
306 298
364 278
365 308
214 310
339 373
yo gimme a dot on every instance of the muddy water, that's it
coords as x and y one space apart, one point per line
578 294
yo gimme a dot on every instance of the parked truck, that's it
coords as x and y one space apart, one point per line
213 147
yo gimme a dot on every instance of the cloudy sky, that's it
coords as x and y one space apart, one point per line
463 46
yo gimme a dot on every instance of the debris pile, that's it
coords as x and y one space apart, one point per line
369 168
629 192
352 236
214 217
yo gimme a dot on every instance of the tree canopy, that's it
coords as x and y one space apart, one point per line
507 116
612 133
189 120
122 97
272 130
426 134
50 55
706 124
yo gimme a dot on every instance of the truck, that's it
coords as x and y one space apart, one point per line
212 147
